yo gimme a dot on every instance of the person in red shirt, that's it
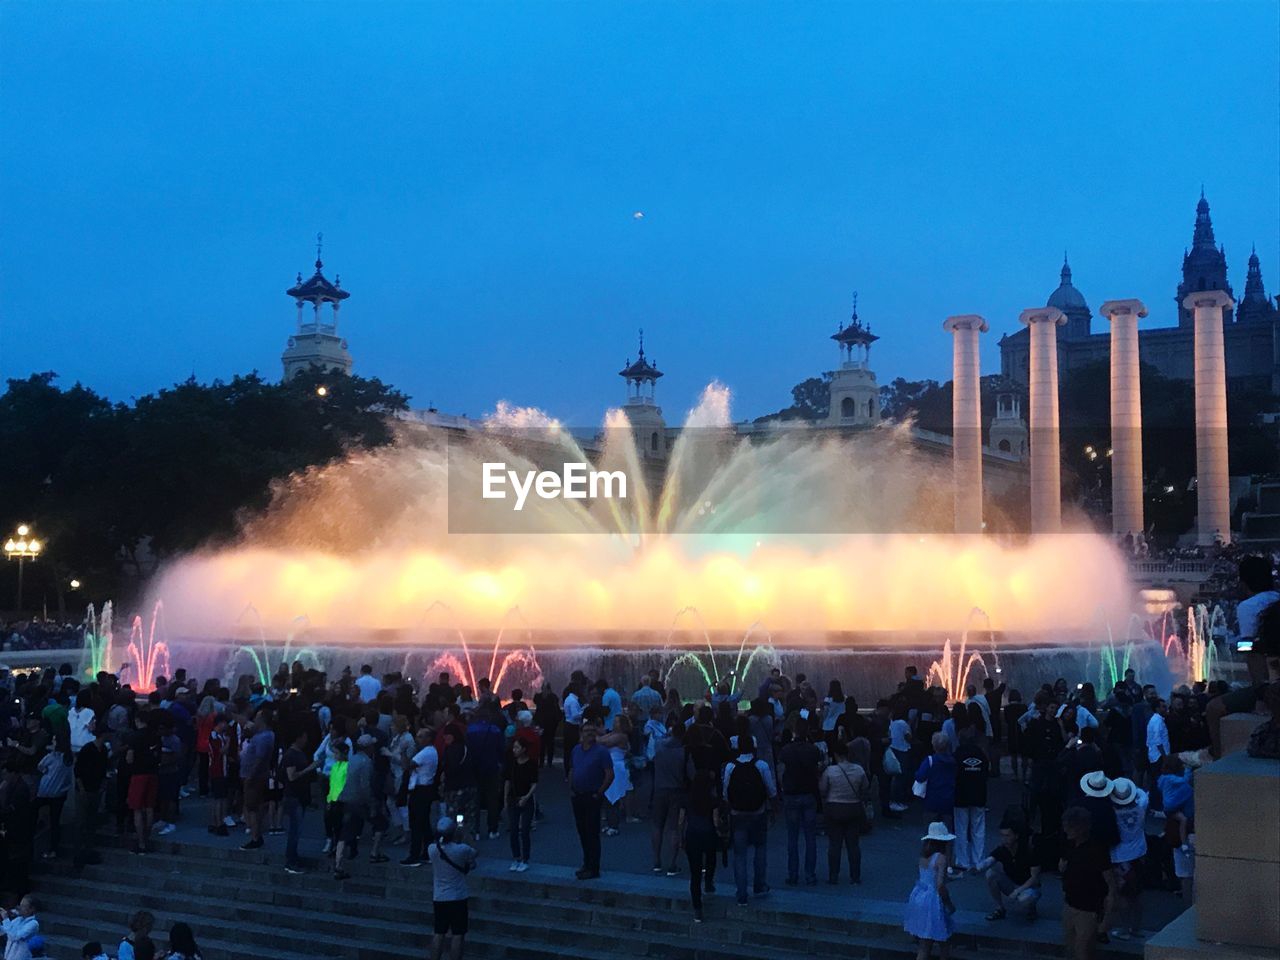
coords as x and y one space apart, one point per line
218 785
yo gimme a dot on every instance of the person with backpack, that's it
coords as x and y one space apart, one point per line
452 858
750 791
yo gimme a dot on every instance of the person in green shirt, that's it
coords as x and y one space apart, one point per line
333 810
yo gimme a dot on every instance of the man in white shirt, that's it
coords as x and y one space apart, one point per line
1157 738
452 859
572 707
1258 583
368 685
422 795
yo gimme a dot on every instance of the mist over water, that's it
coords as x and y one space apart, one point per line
809 533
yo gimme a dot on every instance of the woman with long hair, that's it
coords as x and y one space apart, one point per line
182 943
206 714
56 776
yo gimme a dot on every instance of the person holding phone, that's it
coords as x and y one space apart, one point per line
452 858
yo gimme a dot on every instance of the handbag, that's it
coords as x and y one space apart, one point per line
921 787
868 809
890 763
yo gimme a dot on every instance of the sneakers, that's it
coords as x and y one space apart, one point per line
657 869
611 831
697 916
998 914
521 866
1119 934
228 821
276 832
673 872
898 807
515 867
251 845
411 862
293 868
166 829
327 848
494 835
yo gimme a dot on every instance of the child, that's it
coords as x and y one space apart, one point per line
218 743
1180 820
93 951
334 808
929 907
21 928
138 944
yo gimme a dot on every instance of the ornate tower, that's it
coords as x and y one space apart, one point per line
642 408
1255 307
1008 432
316 343
855 396
1204 267
1072 304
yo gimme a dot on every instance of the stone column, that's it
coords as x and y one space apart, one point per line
1213 493
1126 416
1046 466
966 420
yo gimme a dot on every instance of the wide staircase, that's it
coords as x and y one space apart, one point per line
243 908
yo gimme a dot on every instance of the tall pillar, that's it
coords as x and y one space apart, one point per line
1126 416
966 420
1213 493
1046 466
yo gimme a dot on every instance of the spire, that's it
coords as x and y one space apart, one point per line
642 343
319 246
1065 275
1253 289
853 320
1203 236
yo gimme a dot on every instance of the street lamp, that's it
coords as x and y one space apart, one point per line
75 584
25 547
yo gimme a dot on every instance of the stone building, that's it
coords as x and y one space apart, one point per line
1251 330
316 343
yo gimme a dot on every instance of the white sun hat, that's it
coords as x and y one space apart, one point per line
1123 791
938 831
1096 784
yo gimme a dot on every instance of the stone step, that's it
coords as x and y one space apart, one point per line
545 905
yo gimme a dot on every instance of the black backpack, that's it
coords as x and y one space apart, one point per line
747 792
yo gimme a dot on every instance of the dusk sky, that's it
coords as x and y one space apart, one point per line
164 169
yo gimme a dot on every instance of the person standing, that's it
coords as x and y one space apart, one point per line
701 837
900 745
937 774
91 773
520 783
845 791
256 757
929 913
801 760
368 685
423 793
592 775
1130 805
546 720
749 789
51 793
298 776
610 701
1085 866
452 858
356 798
972 772
572 723
670 776
142 759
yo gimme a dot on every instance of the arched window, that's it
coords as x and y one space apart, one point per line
1004 445
653 442
848 409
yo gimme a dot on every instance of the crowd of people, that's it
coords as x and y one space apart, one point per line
445 768
40 634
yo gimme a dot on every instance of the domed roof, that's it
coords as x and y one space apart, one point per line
1067 297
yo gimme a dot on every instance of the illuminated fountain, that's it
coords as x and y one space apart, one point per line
97 641
274 657
833 539
704 667
148 652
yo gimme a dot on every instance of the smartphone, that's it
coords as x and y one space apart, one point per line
459 819
1244 646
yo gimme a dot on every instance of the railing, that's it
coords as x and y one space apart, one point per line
1162 568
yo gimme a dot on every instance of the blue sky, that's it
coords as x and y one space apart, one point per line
475 167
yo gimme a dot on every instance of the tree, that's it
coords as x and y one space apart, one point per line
110 486
810 400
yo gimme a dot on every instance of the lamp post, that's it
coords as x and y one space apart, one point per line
24 547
